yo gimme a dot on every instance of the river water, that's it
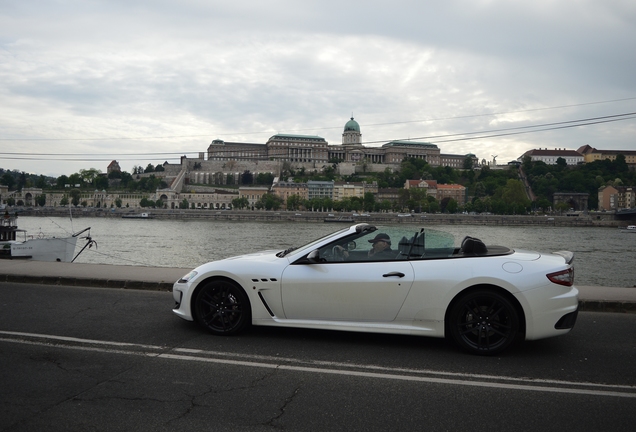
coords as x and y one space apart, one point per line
603 256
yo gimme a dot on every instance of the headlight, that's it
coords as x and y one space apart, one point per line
187 277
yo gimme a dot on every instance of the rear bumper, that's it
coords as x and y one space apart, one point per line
554 311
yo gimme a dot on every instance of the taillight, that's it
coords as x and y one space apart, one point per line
564 277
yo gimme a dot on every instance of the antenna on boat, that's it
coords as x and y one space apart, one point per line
70 212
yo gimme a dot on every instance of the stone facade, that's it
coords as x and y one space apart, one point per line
551 157
252 193
576 201
590 154
616 198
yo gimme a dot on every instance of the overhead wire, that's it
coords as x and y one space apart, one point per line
464 136
537 128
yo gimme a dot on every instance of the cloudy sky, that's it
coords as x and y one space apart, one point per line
83 82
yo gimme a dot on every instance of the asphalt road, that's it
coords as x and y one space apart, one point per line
93 359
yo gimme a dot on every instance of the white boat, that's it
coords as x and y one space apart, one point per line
629 229
40 248
138 216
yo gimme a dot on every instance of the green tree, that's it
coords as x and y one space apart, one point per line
368 201
41 182
240 203
101 182
8 180
451 206
88 176
62 181
247 178
468 163
265 178
433 206
561 163
543 204
561 207
22 180
293 202
75 196
269 201
515 193
75 179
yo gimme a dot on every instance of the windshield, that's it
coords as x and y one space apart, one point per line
309 246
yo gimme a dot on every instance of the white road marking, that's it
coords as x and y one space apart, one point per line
321 367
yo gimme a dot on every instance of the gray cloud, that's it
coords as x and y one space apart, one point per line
187 72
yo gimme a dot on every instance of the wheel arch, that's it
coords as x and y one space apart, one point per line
499 290
213 278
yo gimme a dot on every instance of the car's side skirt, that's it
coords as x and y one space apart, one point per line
434 329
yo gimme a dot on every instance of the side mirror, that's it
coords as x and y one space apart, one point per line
314 256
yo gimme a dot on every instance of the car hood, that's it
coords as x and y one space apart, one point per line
254 265
266 254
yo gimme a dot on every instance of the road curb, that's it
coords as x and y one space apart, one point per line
87 282
607 306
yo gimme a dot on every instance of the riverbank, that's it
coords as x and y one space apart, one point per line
593 219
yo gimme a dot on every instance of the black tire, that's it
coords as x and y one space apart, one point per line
222 307
483 322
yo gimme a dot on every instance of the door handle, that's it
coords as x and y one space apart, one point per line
398 274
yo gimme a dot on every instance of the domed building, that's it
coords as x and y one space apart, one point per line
314 151
351 134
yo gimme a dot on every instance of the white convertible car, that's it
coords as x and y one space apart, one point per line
389 280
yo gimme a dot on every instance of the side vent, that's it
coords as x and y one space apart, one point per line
265 304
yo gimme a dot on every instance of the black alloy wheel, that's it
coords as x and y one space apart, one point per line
484 322
222 307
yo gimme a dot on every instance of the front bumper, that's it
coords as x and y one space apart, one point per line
181 295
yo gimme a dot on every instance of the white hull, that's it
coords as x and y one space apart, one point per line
46 249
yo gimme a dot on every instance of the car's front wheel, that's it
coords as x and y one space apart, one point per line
483 322
222 307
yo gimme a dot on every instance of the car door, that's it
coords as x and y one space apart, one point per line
346 291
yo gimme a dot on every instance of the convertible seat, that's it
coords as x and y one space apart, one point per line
407 247
473 246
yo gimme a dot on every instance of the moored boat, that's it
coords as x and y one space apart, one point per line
339 219
138 216
40 248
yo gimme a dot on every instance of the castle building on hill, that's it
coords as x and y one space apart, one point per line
231 163
314 150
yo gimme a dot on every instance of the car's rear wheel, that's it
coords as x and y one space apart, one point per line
222 307
483 322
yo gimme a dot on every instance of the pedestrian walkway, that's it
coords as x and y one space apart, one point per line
592 298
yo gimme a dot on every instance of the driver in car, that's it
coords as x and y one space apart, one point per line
381 249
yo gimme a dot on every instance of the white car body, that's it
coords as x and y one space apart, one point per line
409 294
